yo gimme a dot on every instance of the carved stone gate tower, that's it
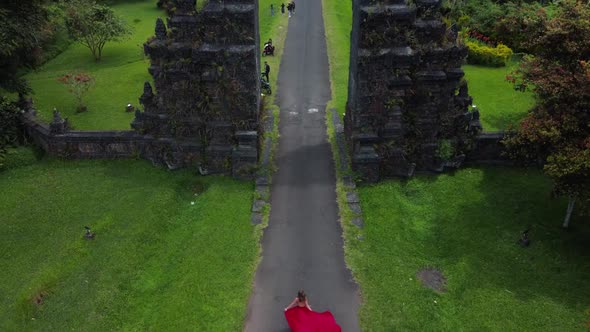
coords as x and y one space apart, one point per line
407 103
205 67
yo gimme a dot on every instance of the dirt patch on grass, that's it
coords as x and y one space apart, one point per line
433 279
197 187
39 298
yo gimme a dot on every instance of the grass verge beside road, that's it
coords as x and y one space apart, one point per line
275 28
158 261
337 24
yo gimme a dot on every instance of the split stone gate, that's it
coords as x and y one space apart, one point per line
407 103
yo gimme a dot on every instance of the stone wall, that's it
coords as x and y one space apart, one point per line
59 141
206 70
488 150
408 107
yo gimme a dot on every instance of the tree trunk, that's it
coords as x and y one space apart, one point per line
568 214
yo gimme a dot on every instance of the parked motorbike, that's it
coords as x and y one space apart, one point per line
265 86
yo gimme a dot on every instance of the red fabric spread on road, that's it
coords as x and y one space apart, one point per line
301 319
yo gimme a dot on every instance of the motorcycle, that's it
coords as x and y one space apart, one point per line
265 86
268 50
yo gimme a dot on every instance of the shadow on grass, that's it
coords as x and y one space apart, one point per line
467 224
482 234
504 120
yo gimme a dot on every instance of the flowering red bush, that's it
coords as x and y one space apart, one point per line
78 85
482 38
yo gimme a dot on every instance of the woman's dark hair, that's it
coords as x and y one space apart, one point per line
301 296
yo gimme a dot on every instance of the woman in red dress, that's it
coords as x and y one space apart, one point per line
299 301
302 319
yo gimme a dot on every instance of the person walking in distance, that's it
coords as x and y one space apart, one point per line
292 7
283 8
272 10
289 7
266 71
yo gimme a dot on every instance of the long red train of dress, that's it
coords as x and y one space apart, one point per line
301 319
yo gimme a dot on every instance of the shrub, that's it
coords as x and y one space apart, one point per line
483 15
78 84
445 150
10 128
520 21
488 56
19 157
94 25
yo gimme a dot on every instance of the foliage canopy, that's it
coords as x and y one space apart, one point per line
557 132
21 37
93 25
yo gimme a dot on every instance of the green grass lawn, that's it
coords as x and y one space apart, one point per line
119 75
466 224
499 105
337 23
158 262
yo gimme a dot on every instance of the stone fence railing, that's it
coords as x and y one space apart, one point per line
57 140
488 150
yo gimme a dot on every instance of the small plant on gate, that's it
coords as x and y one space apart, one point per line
78 84
445 150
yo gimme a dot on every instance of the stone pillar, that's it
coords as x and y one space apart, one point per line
403 83
205 67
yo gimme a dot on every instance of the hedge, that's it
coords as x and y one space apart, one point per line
488 56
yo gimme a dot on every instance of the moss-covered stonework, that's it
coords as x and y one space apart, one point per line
206 70
408 107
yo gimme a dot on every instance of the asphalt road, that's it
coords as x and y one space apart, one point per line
302 246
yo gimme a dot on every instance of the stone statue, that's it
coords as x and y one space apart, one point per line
59 125
57 117
161 31
147 90
463 91
147 97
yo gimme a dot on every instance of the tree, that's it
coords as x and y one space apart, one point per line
94 25
78 84
556 133
518 22
20 35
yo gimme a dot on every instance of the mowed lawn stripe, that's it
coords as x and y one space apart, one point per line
157 261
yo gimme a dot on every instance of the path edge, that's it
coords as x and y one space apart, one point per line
347 198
